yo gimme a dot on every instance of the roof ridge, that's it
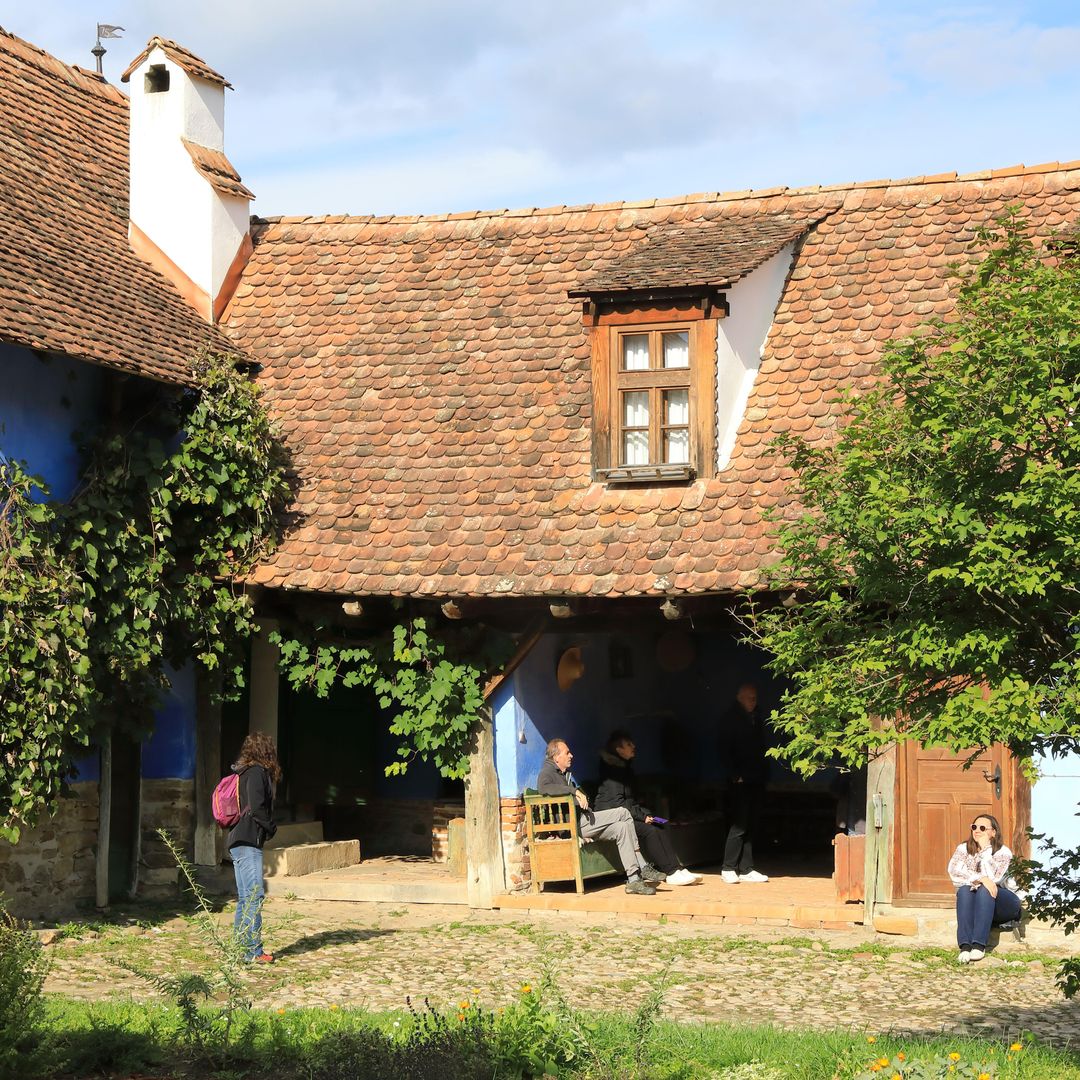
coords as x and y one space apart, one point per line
80 77
747 195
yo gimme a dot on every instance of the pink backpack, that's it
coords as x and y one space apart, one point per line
226 801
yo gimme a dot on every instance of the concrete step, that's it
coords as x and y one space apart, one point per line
298 860
357 890
296 832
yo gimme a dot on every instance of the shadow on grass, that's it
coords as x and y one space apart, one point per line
327 939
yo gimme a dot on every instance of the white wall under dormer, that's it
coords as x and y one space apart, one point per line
740 340
195 227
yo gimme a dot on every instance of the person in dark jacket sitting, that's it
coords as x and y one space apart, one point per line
617 789
259 773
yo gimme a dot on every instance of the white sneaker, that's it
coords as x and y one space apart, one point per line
729 877
976 954
682 876
964 957
754 876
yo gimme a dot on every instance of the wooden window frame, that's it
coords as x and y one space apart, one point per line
610 382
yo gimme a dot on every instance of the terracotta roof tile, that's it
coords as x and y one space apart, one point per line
714 253
455 458
184 58
217 169
69 282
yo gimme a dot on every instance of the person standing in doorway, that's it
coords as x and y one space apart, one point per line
743 743
259 774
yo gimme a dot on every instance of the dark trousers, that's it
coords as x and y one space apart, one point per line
977 911
744 810
656 847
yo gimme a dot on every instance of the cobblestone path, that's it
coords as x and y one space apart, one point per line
374 956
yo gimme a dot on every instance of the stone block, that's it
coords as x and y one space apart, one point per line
904 925
302 859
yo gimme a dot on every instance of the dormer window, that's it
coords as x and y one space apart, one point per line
654 390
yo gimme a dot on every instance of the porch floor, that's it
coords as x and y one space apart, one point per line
401 879
798 900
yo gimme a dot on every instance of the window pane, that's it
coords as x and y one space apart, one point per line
676 406
636 448
677 446
677 349
636 409
635 352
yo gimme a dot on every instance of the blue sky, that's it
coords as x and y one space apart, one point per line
425 106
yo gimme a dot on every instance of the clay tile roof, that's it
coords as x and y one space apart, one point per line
217 169
184 58
69 282
710 254
432 378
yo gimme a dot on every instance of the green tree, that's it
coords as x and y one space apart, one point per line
935 559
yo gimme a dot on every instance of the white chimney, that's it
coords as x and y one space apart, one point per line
189 212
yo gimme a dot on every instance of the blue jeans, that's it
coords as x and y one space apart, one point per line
248 868
977 911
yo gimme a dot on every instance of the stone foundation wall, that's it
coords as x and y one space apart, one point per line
169 805
50 872
515 848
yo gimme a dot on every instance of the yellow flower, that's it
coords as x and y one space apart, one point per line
463 1005
900 1056
461 1016
334 1008
883 1062
954 1056
897 1076
875 1067
984 1076
871 1038
281 1012
526 989
1017 1046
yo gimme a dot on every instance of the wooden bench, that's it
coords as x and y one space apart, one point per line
557 851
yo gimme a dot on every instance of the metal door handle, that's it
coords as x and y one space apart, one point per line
994 779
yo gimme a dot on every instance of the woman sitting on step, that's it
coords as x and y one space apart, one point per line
617 789
985 894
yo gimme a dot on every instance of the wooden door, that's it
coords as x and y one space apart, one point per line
937 799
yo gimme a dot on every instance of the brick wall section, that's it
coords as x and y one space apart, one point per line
170 805
515 848
50 871
440 818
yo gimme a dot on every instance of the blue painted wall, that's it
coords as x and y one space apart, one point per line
529 708
45 400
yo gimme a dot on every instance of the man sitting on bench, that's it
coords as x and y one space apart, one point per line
556 779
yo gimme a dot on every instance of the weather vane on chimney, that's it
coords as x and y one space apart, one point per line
104 30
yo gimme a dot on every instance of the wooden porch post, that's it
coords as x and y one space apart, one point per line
208 770
263 708
880 818
101 868
483 831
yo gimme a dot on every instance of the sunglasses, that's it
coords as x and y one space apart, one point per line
981 828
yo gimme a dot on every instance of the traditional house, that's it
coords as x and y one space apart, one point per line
558 421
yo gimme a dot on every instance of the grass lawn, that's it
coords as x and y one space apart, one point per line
533 1037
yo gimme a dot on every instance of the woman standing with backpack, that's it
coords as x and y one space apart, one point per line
258 773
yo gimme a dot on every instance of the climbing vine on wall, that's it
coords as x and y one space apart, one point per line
177 503
430 680
44 653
